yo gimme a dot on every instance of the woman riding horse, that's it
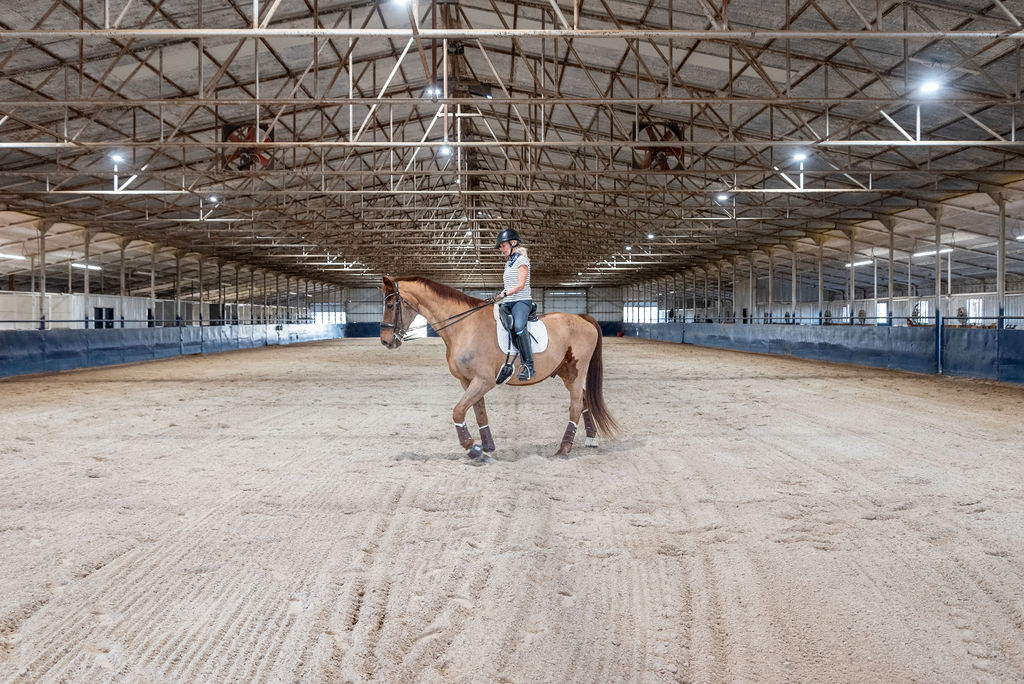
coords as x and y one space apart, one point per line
517 301
466 325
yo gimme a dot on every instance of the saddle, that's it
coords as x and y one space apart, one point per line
535 328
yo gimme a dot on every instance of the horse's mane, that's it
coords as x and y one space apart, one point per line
444 291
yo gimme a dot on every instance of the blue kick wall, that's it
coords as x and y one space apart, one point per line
979 353
39 351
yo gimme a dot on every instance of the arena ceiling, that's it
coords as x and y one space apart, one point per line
625 140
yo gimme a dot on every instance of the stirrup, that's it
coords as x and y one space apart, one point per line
525 372
505 373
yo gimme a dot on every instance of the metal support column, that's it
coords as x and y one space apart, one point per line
177 287
892 270
42 227
220 292
938 260
718 294
123 244
751 290
793 286
86 235
252 297
1001 262
852 288
821 280
152 283
201 293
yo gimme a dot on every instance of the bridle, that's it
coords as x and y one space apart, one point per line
397 326
401 332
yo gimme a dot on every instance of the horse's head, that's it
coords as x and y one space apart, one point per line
398 315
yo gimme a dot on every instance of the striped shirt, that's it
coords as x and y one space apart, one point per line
511 277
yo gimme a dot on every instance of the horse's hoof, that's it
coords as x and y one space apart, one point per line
591 442
561 456
475 452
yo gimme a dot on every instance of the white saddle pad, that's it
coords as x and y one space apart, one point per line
538 330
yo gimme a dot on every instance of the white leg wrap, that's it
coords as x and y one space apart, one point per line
591 442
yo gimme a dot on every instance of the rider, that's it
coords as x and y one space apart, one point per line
517 295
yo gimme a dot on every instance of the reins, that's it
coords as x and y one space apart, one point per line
403 333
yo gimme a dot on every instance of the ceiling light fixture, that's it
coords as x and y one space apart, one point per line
13 256
799 156
87 266
629 248
723 198
446 150
929 87
859 263
117 158
930 252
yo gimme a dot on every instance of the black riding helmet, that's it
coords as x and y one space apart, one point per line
507 235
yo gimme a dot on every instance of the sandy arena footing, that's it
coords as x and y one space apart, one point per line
305 514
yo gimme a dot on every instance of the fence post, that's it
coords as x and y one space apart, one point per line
938 340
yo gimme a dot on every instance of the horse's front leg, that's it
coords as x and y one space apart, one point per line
475 391
486 440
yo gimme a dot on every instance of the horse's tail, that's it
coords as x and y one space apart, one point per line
592 392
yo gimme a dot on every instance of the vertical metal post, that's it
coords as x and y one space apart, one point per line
123 243
1001 263
938 261
85 280
718 294
704 310
201 298
853 277
821 280
237 318
220 292
771 284
793 286
252 297
874 284
42 227
177 288
892 270
152 281
750 288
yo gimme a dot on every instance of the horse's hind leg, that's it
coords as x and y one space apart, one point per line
486 440
575 388
588 422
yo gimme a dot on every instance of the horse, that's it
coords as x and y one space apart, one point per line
467 327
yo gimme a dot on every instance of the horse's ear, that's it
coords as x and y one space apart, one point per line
389 284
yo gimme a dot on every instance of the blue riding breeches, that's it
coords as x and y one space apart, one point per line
520 314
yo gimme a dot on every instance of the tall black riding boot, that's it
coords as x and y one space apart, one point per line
525 346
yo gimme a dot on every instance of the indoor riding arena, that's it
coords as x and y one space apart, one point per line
263 264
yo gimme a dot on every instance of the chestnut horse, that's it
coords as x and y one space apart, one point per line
466 324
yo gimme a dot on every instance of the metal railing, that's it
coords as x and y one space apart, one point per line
43 323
